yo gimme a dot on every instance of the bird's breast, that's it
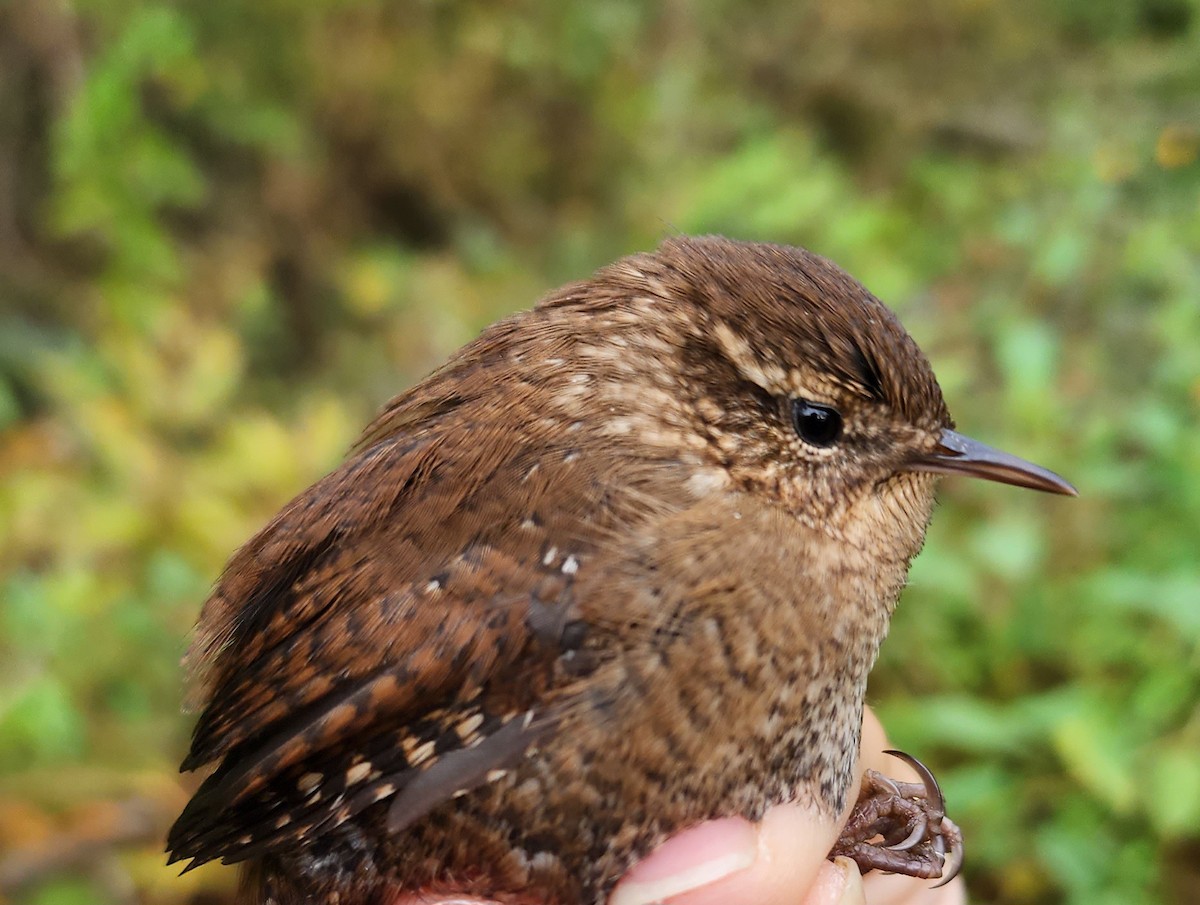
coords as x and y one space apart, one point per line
742 647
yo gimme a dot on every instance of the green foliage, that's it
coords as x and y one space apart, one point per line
241 228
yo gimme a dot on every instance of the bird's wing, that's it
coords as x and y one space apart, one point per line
395 621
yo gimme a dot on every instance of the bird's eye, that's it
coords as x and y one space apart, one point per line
819 425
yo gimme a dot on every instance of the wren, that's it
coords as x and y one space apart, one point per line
621 565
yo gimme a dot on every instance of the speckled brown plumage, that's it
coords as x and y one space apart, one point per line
583 586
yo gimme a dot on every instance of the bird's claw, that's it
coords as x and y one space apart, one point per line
902 827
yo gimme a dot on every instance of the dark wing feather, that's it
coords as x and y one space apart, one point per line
379 631
417 766
401 610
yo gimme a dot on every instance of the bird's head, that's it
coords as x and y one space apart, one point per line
806 389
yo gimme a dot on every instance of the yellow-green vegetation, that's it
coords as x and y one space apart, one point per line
228 232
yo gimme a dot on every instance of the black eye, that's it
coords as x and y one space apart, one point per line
816 424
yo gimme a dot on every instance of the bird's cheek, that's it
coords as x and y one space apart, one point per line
911 506
893 516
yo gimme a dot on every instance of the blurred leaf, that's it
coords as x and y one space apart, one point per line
66 891
1173 787
1095 747
40 721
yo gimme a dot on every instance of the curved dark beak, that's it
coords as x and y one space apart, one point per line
956 454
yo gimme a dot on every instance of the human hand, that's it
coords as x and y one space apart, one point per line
780 861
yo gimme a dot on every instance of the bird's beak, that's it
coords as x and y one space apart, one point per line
956 454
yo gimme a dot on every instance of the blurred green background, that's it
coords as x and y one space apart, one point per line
229 232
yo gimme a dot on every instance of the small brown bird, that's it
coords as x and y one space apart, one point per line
620 566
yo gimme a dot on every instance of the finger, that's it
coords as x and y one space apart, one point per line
773 863
874 744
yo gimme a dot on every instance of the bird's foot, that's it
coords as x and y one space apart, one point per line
902 827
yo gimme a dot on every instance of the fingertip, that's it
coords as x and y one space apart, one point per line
790 846
874 738
837 882
853 892
873 750
692 860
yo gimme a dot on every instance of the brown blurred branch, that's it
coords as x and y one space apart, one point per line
103 829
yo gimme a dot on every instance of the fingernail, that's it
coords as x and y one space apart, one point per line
696 858
852 884
837 882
